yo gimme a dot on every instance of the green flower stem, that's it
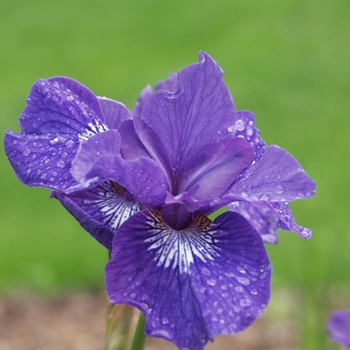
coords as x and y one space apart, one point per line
140 336
119 327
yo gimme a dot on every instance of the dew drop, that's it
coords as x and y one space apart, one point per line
70 143
206 272
26 152
14 142
245 302
132 295
243 280
253 292
202 290
61 164
279 189
239 125
239 289
211 282
165 320
264 197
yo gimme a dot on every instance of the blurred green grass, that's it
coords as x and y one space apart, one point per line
288 62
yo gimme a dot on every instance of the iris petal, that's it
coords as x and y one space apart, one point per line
100 210
114 112
99 160
42 160
277 176
339 327
208 279
199 112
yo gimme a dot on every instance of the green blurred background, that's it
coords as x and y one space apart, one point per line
287 61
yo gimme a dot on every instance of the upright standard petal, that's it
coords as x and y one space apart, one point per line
208 279
199 112
60 113
339 327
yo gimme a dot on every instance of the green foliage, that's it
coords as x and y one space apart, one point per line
287 61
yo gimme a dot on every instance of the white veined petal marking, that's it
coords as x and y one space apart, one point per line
94 128
178 249
109 199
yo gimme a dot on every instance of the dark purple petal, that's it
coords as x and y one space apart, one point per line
100 210
114 112
61 105
131 146
215 166
208 279
245 127
260 216
42 160
98 160
286 219
201 111
277 176
339 327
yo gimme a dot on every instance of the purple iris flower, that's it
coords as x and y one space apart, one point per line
339 327
143 184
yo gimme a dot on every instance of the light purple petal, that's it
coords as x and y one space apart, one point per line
260 216
98 160
277 176
100 210
114 112
245 127
42 160
215 166
131 146
286 219
61 105
92 150
200 112
193 284
169 84
339 327
146 93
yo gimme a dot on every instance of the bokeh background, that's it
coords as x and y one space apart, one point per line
287 61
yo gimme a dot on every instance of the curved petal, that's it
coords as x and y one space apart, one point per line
61 105
92 150
100 210
146 93
42 160
245 128
286 219
131 146
215 166
338 327
277 176
208 279
168 84
99 160
198 113
114 112
262 218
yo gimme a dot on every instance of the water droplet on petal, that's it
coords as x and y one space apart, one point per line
165 320
245 302
239 125
243 280
26 152
264 197
211 282
61 164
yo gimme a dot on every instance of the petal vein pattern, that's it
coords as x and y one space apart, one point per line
178 248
